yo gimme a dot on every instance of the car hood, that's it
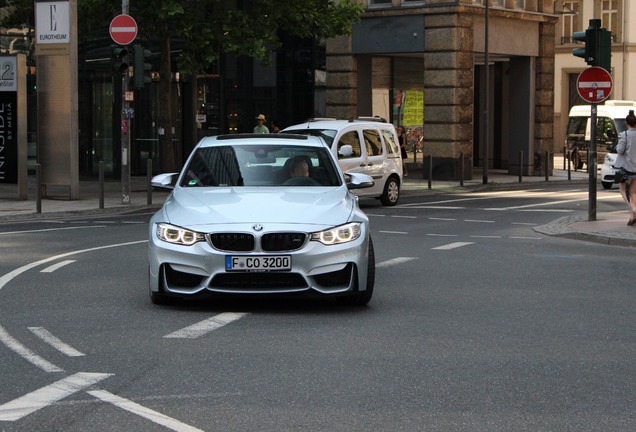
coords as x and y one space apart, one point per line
189 207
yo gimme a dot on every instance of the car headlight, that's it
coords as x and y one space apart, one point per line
609 158
177 235
338 235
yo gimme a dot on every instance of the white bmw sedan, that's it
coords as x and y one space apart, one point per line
261 214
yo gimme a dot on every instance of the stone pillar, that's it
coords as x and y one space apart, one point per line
544 97
342 83
448 93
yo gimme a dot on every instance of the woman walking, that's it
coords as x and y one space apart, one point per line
402 140
627 149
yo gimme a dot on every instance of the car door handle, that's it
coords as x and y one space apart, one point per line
363 165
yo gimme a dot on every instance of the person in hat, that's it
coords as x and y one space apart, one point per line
260 126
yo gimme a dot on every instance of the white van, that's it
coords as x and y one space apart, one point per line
610 122
367 145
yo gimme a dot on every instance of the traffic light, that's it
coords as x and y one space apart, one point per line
605 47
119 59
590 38
141 70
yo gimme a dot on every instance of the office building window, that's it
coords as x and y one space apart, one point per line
570 20
380 2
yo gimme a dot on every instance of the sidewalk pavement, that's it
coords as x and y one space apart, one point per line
609 228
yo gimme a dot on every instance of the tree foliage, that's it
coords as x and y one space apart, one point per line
206 28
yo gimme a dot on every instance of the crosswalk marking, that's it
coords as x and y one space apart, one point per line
199 329
38 399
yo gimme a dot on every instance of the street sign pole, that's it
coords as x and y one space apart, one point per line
594 85
591 165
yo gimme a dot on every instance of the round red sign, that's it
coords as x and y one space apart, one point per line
123 29
594 84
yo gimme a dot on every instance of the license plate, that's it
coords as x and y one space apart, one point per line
257 263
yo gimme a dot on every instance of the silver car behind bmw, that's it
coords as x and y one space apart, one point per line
261 214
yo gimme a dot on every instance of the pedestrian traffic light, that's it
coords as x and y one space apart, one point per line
119 59
141 72
605 48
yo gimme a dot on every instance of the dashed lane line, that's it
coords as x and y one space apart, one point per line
203 327
15 346
452 245
55 342
395 261
52 268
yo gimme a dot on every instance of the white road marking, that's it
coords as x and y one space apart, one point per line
478 221
26 353
442 235
54 267
526 238
548 210
442 219
142 411
38 399
205 326
56 343
9 276
523 223
485 236
393 232
395 261
438 207
453 245
104 222
49 229
404 217
133 222
375 215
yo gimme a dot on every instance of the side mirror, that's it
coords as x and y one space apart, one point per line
164 181
358 181
345 151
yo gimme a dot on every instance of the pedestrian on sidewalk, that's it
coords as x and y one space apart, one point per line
626 160
260 125
402 140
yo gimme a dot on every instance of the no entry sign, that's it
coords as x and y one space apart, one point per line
123 29
594 84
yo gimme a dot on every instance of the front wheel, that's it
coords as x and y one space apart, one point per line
607 185
391 193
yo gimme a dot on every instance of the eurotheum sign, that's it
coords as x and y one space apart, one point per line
53 25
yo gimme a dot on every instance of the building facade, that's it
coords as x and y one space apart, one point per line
575 16
422 64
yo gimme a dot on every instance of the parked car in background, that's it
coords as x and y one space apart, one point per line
367 145
610 123
261 214
608 170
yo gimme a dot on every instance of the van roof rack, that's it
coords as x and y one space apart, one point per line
369 118
620 103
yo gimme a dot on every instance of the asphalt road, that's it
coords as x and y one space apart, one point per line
478 323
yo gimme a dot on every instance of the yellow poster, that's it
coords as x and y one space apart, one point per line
413 108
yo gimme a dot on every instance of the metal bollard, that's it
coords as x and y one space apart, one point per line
547 165
461 168
520 165
38 189
149 181
569 166
101 184
430 171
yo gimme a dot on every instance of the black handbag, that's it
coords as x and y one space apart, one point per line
620 176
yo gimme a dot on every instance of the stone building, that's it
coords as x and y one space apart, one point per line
421 64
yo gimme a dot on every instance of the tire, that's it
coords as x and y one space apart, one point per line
361 298
391 194
607 185
576 160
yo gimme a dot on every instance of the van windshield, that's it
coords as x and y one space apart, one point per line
577 125
327 134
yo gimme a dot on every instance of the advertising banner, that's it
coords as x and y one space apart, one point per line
8 120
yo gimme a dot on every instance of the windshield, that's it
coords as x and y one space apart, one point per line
260 165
